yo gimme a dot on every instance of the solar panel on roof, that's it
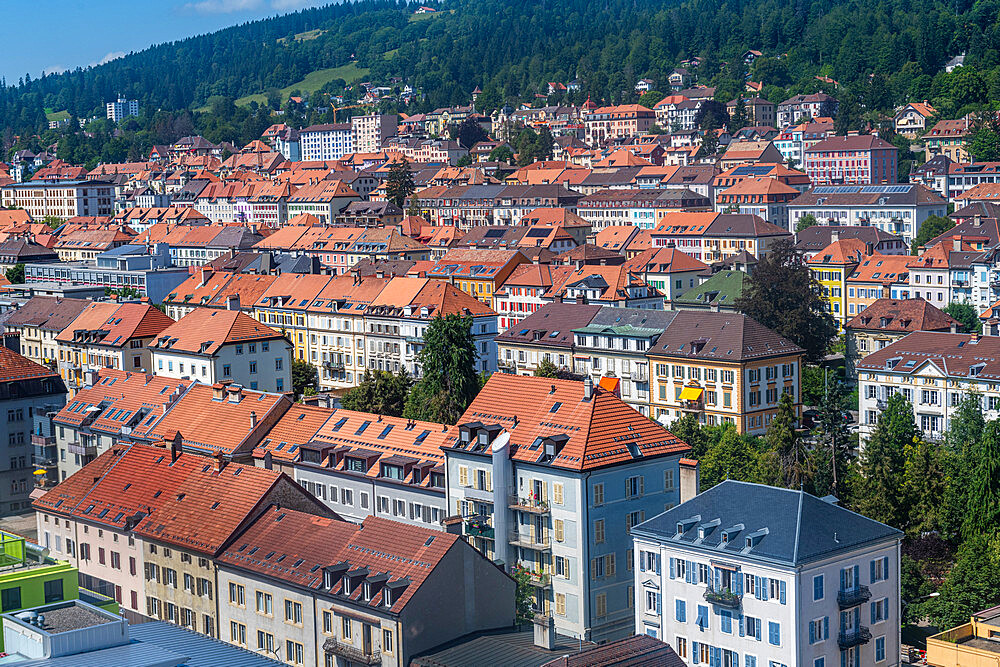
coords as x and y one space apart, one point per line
493 233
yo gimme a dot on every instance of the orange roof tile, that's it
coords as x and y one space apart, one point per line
121 322
206 330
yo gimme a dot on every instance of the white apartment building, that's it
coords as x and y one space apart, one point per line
121 109
537 485
330 141
934 372
371 130
758 576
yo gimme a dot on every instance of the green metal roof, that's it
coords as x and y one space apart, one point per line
722 288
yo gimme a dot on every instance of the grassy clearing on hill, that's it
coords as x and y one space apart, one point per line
311 83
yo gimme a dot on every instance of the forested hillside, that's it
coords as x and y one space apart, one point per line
882 52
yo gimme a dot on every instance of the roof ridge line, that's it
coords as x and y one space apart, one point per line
798 528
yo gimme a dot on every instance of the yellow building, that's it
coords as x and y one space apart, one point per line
831 267
283 307
723 367
974 644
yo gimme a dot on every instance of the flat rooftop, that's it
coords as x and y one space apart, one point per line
69 618
991 645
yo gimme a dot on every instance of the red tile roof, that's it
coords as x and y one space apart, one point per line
122 322
120 399
901 315
206 330
13 366
600 431
187 502
406 555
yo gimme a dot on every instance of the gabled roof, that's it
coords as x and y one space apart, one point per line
117 324
953 354
700 334
664 260
841 252
51 313
206 330
187 502
595 432
885 269
14 367
120 400
797 527
723 288
405 554
901 316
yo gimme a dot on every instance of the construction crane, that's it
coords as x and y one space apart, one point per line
352 106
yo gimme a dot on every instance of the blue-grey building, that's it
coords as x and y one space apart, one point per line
149 272
547 477
758 576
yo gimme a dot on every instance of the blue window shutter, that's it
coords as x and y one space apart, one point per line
763 588
694 652
738 587
812 633
741 626
657 603
758 588
872 578
885 567
692 572
843 580
843 659
672 568
873 611
759 623
857 658
857 575
781 591
657 563
642 561
826 627
736 659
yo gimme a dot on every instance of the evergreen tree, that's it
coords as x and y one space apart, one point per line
923 486
805 222
733 456
305 378
967 315
831 457
881 494
973 584
965 431
782 439
399 183
380 392
739 119
448 364
982 512
782 295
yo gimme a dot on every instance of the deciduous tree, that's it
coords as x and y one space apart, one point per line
381 392
448 365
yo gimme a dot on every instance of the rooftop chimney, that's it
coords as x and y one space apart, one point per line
253 419
219 462
588 388
689 479
545 632
175 446
977 220
206 273
954 327
834 235
956 243
233 302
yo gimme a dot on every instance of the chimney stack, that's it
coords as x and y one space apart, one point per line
956 243
219 462
175 446
588 388
253 419
977 220
233 302
206 273
689 479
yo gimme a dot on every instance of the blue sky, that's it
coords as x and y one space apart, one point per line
54 35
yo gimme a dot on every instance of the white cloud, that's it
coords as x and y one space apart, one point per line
111 55
222 6
55 69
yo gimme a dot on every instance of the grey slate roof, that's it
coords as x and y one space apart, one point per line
800 527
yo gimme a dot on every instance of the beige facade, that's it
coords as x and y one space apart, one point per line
744 394
973 644
61 199
180 587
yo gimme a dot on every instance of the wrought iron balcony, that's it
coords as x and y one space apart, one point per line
853 597
353 653
855 637
724 598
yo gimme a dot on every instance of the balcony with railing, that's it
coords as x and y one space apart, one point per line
81 449
723 598
528 503
536 578
850 638
526 541
852 597
352 653
479 528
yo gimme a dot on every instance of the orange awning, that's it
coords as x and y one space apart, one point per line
691 393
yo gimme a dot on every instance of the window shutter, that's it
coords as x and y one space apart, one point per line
872 605
657 560
781 591
812 633
642 484
557 493
738 586
559 530
871 579
658 599
741 625
757 587
489 480
763 588
673 567
694 651
885 567
642 559
857 575
843 580
593 568
826 627
545 492
758 631
843 659
463 475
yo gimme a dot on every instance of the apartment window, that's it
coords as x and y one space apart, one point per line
880 610
116 558
10 598
879 649
601 605
682 647
599 494
264 603
238 633
345 628
237 594
819 629
879 569
170 577
293 612
634 486
753 626
599 531
668 480
680 609
293 652
188 583
265 641
773 633
727 377
387 641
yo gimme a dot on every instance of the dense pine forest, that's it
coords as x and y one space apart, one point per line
880 52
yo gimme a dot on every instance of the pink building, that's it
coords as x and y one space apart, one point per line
863 159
